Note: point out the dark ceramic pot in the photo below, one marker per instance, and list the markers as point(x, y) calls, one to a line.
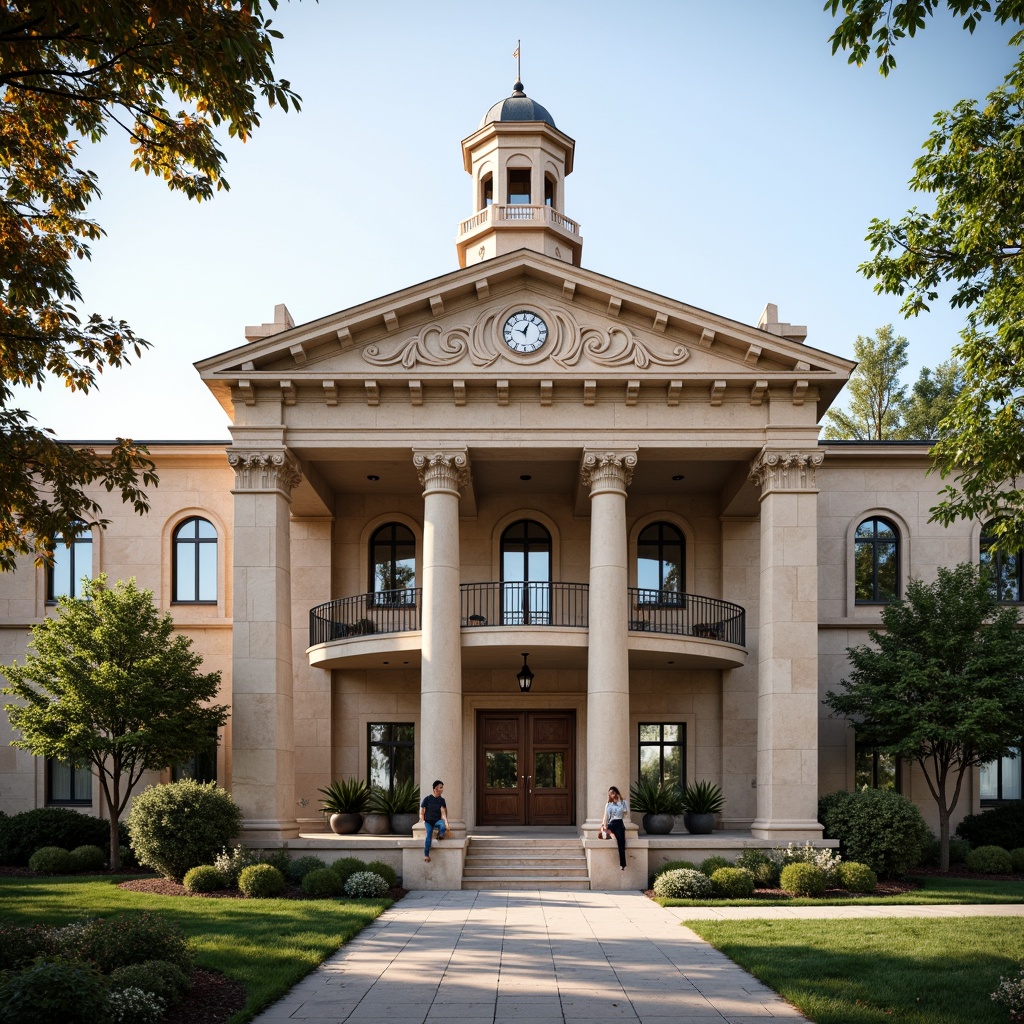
point(401, 824)
point(377, 824)
point(658, 824)
point(699, 824)
point(346, 824)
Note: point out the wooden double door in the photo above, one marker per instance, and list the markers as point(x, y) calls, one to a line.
point(526, 767)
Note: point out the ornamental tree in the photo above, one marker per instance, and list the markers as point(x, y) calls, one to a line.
point(169, 74)
point(108, 683)
point(942, 685)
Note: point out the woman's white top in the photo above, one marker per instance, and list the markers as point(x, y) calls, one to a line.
point(616, 809)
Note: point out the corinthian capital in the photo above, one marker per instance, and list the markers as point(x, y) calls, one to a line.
point(265, 471)
point(786, 471)
point(603, 470)
point(441, 470)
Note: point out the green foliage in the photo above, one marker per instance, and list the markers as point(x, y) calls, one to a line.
point(181, 825)
point(21, 944)
point(710, 865)
point(231, 862)
point(1001, 826)
point(876, 827)
point(683, 884)
point(386, 871)
point(732, 883)
point(803, 879)
point(672, 865)
point(404, 800)
point(345, 866)
point(763, 869)
point(856, 877)
point(703, 798)
point(204, 878)
point(647, 796)
point(135, 1006)
point(958, 850)
point(942, 684)
point(55, 990)
point(112, 942)
point(325, 883)
point(1017, 860)
point(932, 400)
point(165, 980)
point(261, 881)
point(22, 834)
point(1010, 993)
point(88, 858)
point(108, 683)
point(347, 796)
point(990, 860)
point(301, 866)
point(366, 885)
point(52, 860)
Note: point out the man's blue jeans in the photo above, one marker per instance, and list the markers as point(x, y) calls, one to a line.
point(431, 825)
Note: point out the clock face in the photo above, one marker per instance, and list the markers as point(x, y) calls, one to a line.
point(524, 331)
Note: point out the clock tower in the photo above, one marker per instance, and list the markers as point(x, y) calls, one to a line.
point(518, 161)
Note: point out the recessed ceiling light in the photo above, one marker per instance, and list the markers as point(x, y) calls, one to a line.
point(679, 476)
point(385, 662)
point(373, 477)
point(526, 476)
point(670, 663)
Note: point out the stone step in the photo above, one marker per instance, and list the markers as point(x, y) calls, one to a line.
point(517, 862)
point(472, 868)
point(525, 858)
point(526, 883)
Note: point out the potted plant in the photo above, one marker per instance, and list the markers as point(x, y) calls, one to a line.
point(701, 802)
point(402, 806)
point(344, 801)
point(377, 820)
point(658, 802)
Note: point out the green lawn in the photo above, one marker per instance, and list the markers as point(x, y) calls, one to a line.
point(891, 970)
point(267, 945)
point(933, 890)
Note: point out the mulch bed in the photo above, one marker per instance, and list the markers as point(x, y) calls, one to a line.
point(886, 888)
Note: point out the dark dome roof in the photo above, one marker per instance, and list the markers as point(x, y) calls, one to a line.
point(518, 107)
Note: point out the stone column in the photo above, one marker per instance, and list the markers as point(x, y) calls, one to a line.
point(787, 642)
point(441, 474)
point(261, 700)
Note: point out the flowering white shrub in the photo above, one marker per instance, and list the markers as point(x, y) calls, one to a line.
point(366, 884)
point(135, 1006)
point(820, 857)
point(231, 863)
point(1010, 993)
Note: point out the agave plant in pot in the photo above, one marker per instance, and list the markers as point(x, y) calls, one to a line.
point(401, 806)
point(701, 802)
point(658, 801)
point(345, 801)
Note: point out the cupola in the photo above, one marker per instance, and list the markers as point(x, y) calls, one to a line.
point(518, 161)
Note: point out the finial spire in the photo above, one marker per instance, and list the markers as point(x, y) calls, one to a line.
point(519, 63)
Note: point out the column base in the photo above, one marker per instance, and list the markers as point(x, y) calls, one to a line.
point(256, 830)
point(790, 831)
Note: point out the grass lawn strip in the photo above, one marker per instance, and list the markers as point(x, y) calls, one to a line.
point(267, 945)
point(892, 970)
point(933, 890)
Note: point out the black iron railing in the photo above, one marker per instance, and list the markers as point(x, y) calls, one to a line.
point(524, 604)
point(387, 611)
point(664, 611)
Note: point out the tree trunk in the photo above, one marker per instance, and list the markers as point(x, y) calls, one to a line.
point(115, 843)
point(943, 839)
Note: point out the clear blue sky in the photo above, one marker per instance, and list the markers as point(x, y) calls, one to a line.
point(724, 157)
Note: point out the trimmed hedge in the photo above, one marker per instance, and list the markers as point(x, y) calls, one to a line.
point(22, 834)
point(301, 866)
point(386, 871)
point(347, 866)
point(683, 884)
point(261, 881)
point(68, 991)
point(205, 878)
point(366, 885)
point(733, 883)
point(763, 869)
point(112, 942)
point(1001, 826)
point(854, 877)
point(323, 884)
point(803, 879)
point(711, 864)
point(672, 865)
point(991, 860)
point(88, 858)
point(52, 860)
point(1017, 860)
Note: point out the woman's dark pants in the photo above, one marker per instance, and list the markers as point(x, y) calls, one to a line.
point(618, 829)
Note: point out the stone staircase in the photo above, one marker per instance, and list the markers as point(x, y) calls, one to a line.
point(521, 862)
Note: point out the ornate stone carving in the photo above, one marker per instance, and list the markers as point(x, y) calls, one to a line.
point(786, 471)
point(441, 470)
point(264, 471)
point(617, 346)
point(604, 470)
point(431, 347)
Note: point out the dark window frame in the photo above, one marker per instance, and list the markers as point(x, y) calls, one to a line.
point(520, 175)
point(195, 544)
point(996, 562)
point(995, 801)
point(389, 744)
point(201, 766)
point(76, 777)
point(72, 552)
point(400, 596)
point(661, 543)
point(661, 743)
point(874, 542)
point(864, 750)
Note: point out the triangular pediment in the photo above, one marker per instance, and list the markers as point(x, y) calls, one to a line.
point(448, 332)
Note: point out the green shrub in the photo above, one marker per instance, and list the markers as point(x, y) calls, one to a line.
point(301, 866)
point(158, 977)
point(231, 863)
point(366, 885)
point(261, 881)
point(386, 871)
point(205, 878)
point(112, 942)
point(877, 827)
point(958, 850)
point(992, 860)
point(135, 1006)
point(733, 883)
point(22, 834)
point(51, 860)
point(711, 864)
point(803, 880)
point(68, 991)
point(1017, 860)
point(181, 825)
point(762, 868)
point(275, 858)
point(854, 877)
point(683, 884)
point(1001, 826)
point(323, 884)
point(20, 944)
point(347, 866)
point(88, 858)
point(672, 865)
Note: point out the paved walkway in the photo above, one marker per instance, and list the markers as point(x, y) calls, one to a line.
point(551, 958)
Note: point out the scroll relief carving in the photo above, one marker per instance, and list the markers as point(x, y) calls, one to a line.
point(264, 471)
point(567, 345)
point(442, 469)
point(786, 471)
point(614, 467)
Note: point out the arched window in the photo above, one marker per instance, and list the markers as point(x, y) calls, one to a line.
point(526, 574)
point(1006, 567)
point(660, 562)
point(876, 559)
point(71, 561)
point(549, 190)
point(486, 191)
point(194, 564)
point(392, 564)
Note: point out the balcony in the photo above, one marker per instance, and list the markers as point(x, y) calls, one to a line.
point(663, 611)
point(540, 216)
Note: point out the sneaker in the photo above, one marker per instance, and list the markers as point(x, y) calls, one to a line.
point(441, 835)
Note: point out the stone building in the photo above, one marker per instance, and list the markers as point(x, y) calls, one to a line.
point(521, 463)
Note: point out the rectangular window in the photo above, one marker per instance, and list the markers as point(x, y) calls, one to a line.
point(519, 186)
point(662, 748)
point(875, 769)
point(391, 754)
point(201, 766)
point(1001, 780)
point(66, 784)
point(70, 563)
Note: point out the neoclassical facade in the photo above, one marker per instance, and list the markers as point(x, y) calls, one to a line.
point(523, 462)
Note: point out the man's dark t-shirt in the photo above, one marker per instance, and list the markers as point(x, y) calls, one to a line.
point(432, 807)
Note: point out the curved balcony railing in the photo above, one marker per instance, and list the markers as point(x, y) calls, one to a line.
point(502, 213)
point(665, 611)
point(524, 604)
point(386, 611)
